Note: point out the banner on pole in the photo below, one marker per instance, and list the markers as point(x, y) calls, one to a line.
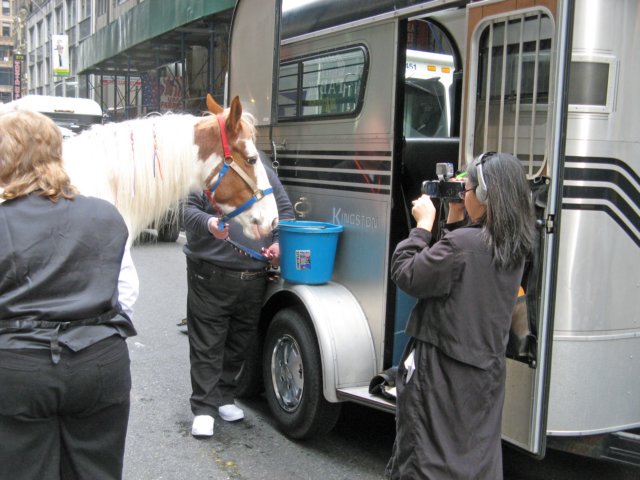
point(60, 55)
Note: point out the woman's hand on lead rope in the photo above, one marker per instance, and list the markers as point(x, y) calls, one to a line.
point(214, 228)
point(424, 211)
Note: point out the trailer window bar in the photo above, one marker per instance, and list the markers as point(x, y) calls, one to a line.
point(325, 85)
point(514, 76)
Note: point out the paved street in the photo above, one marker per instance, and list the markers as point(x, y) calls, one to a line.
point(160, 445)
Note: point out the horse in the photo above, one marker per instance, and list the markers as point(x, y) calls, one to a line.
point(145, 166)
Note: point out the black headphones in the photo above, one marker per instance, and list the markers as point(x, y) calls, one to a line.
point(481, 190)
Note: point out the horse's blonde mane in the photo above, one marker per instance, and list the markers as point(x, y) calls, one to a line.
point(143, 166)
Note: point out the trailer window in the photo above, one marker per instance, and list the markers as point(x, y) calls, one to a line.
point(593, 91)
point(592, 81)
point(426, 109)
point(429, 93)
point(326, 85)
point(512, 87)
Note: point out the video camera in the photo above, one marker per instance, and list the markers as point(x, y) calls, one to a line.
point(443, 188)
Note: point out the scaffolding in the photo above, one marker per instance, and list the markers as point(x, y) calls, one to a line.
point(159, 56)
point(133, 57)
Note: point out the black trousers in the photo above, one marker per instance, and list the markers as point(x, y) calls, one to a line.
point(64, 421)
point(223, 310)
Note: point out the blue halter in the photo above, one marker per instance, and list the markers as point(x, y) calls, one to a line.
point(256, 197)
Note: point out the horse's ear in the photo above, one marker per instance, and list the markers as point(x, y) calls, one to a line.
point(235, 114)
point(213, 106)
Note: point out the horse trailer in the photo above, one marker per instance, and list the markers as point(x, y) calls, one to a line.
point(358, 101)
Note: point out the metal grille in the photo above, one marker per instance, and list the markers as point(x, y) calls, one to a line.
point(512, 111)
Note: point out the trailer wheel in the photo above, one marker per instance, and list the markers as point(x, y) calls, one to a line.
point(293, 378)
point(170, 225)
point(168, 232)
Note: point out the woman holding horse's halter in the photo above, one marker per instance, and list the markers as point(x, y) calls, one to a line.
point(226, 286)
point(64, 362)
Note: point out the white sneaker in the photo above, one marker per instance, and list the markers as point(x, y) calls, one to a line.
point(230, 413)
point(202, 426)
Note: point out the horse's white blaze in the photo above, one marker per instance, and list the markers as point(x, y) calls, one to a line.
point(250, 149)
point(266, 217)
point(263, 218)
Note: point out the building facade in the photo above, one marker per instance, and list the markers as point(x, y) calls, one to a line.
point(131, 56)
point(7, 47)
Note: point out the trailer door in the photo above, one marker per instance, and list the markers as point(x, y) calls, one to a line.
point(251, 72)
point(515, 74)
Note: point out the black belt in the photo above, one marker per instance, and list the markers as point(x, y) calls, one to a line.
point(230, 272)
point(57, 327)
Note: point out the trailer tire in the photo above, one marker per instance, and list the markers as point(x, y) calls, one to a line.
point(292, 373)
point(168, 232)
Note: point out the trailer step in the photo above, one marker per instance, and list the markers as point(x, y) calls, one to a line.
point(362, 396)
point(623, 447)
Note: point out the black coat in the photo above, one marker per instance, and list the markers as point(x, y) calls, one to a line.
point(449, 411)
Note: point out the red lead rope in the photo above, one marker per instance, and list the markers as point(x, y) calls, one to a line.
point(226, 149)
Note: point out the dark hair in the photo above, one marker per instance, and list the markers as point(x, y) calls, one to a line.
point(508, 226)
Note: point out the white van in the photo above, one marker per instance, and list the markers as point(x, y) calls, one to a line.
point(71, 114)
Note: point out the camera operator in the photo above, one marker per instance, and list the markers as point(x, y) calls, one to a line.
point(451, 379)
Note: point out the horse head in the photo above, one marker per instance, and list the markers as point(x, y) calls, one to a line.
point(238, 185)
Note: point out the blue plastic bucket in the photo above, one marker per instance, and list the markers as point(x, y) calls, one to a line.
point(308, 250)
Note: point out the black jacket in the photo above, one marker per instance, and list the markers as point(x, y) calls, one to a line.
point(464, 302)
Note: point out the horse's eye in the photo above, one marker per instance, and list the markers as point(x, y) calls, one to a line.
point(252, 160)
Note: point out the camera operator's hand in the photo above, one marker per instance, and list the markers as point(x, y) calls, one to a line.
point(456, 212)
point(424, 212)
